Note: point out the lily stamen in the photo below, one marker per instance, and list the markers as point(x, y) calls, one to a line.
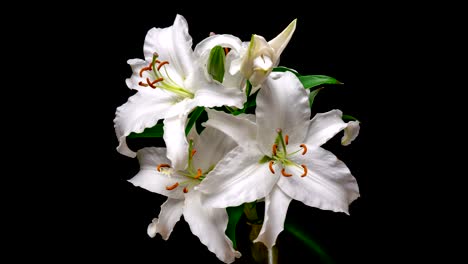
point(148, 68)
point(286, 139)
point(304, 147)
point(193, 153)
point(163, 165)
point(199, 174)
point(305, 170)
point(155, 81)
point(162, 64)
point(274, 148)
point(143, 84)
point(185, 190)
point(271, 167)
point(172, 187)
point(285, 174)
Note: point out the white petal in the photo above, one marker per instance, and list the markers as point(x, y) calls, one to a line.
point(142, 110)
point(328, 185)
point(150, 179)
point(239, 128)
point(350, 133)
point(176, 142)
point(323, 127)
point(233, 80)
point(209, 225)
point(212, 94)
point(170, 213)
point(281, 41)
point(263, 63)
point(238, 178)
point(136, 65)
point(173, 44)
point(282, 103)
point(211, 147)
point(203, 49)
point(276, 207)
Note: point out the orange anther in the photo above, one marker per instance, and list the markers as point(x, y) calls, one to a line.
point(286, 139)
point(163, 165)
point(172, 187)
point(199, 174)
point(271, 167)
point(185, 190)
point(274, 148)
point(305, 170)
point(304, 147)
point(285, 174)
point(162, 64)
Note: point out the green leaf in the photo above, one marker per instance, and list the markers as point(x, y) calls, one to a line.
point(251, 102)
point(216, 63)
point(348, 118)
point(235, 214)
point(193, 118)
point(283, 69)
point(150, 132)
point(312, 95)
point(309, 242)
point(310, 81)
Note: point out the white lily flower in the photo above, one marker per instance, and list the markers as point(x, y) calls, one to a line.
point(252, 60)
point(158, 175)
point(170, 84)
point(279, 157)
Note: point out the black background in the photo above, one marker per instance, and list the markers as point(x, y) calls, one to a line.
point(106, 218)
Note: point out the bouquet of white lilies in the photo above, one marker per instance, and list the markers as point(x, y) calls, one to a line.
point(237, 129)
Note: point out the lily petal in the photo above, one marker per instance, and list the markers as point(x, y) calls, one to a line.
point(328, 184)
point(238, 178)
point(142, 110)
point(276, 207)
point(136, 65)
point(350, 133)
point(212, 94)
point(173, 44)
point(176, 142)
point(281, 41)
point(211, 146)
point(233, 80)
point(324, 126)
point(240, 129)
point(282, 103)
point(150, 179)
point(209, 225)
point(170, 213)
point(203, 49)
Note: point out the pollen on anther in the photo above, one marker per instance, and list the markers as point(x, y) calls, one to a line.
point(148, 68)
point(305, 170)
point(151, 84)
point(185, 190)
point(271, 167)
point(143, 84)
point(162, 64)
point(286, 139)
point(163, 165)
point(199, 174)
point(285, 174)
point(274, 148)
point(304, 147)
point(172, 187)
point(193, 153)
